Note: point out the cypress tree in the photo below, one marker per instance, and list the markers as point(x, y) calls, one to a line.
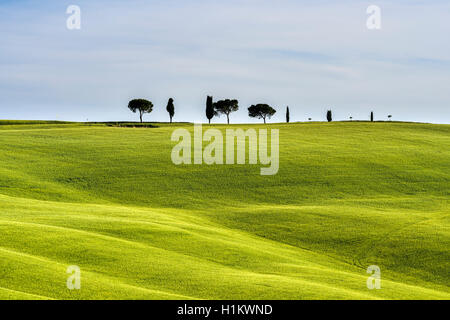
point(287, 115)
point(329, 116)
point(210, 112)
point(170, 109)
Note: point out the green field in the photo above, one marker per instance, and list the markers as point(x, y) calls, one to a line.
point(109, 200)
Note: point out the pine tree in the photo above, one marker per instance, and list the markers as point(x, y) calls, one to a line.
point(140, 105)
point(261, 111)
point(226, 107)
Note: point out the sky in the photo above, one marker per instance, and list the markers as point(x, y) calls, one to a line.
point(309, 55)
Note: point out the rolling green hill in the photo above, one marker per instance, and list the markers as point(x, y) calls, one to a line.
point(109, 200)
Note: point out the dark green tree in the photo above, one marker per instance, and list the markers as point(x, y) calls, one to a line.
point(140, 105)
point(371, 116)
point(288, 118)
point(226, 107)
point(261, 111)
point(170, 109)
point(329, 116)
point(210, 112)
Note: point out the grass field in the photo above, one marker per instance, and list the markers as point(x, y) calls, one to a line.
point(109, 200)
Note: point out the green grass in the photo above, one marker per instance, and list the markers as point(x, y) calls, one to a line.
point(109, 200)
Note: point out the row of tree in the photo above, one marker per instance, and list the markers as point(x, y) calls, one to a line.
point(221, 107)
point(226, 107)
point(213, 109)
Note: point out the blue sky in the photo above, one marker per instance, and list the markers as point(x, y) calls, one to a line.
point(308, 55)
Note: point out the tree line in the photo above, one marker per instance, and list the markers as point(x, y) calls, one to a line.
point(222, 107)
